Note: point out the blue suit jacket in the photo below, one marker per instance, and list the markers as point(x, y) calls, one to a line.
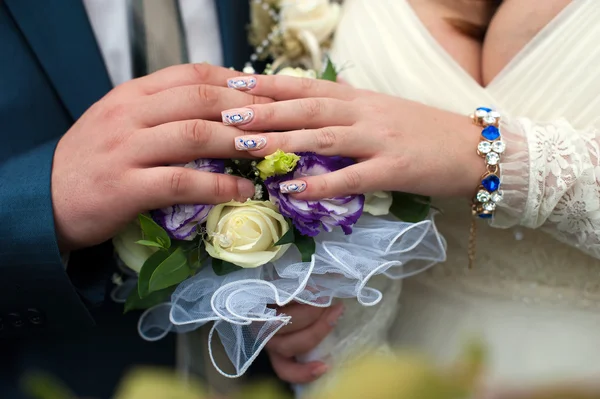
point(51, 71)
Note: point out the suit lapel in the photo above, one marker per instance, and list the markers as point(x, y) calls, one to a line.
point(234, 16)
point(62, 39)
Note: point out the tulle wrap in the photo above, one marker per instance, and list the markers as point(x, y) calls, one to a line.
point(241, 303)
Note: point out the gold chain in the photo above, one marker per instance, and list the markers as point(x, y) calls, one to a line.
point(472, 242)
point(476, 208)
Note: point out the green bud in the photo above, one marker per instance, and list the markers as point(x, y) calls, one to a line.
point(278, 163)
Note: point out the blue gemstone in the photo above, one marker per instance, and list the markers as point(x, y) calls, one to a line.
point(490, 133)
point(491, 183)
point(484, 109)
point(485, 215)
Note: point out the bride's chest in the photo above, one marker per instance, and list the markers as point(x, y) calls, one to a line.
point(457, 25)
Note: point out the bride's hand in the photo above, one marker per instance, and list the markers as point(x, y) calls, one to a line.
point(400, 145)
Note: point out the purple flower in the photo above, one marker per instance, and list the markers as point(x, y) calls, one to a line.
point(310, 216)
point(181, 221)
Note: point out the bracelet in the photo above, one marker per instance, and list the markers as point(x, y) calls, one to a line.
point(488, 194)
point(490, 147)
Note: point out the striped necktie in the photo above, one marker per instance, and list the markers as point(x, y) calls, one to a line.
point(158, 39)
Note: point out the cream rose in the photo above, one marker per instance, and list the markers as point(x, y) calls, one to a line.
point(132, 254)
point(378, 203)
point(298, 72)
point(318, 17)
point(245, 233)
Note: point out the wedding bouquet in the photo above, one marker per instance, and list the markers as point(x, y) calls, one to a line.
point(232, 263)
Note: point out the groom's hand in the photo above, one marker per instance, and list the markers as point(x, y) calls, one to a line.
point(113, 163)
point(310, 325)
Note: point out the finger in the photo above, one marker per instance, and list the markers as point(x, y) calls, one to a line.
point(305, 113)
point(359, 178)
point(303, 341)
point(302, 316)
point(336, 140)
point(168, 185)
point(191, 102)
point(288, 88)
point(289, 370)
point(184, 75)
point(181, 142)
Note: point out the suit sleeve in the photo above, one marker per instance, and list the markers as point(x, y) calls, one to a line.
point(35, 291)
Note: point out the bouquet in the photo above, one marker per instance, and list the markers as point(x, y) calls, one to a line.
point(232, 263)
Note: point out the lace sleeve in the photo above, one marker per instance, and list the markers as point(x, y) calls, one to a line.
point(551, 180)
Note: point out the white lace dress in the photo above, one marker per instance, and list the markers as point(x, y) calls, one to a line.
point(534, 294)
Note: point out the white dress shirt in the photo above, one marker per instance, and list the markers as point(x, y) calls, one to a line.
point(110, 24)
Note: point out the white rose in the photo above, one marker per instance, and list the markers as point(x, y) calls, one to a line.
point(133, 255)
point(245, 233)
point(298, 72)
point(378, 203)
point(319, 17)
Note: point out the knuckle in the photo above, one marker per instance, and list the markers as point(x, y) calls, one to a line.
point(206, 95)
point(308, 83)
point(200, 72)
point(388, 133)
point(178, 182)
point(112, 111)
point(197, 132)
point(267, 114)
point(352, 180)
point(220, 188)
point(312, 107)
point(115, 141)
point(326, 138)
point(280, 346)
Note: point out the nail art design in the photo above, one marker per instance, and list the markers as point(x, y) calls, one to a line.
point(242, 83)
point(250, 143)
point(292, 187)
point(238, 116)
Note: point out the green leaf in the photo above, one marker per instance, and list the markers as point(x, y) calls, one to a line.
point(153, 232)
point(171, 271)
point(306, 245)
point(221, 267)
point(329, 73)
point(168, 263)
point(134, 301)
point(150, 244)
point(288, 238)
point(410, 208)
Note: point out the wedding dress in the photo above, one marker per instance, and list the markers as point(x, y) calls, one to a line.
point(534, 293)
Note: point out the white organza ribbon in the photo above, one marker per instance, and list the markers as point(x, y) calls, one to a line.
point(340, 268)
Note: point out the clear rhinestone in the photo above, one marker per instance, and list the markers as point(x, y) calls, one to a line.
point(495, 114)
point(484, 147)
point(492, 158)
point(489, 206)
point(480, 113)
point(497, 197)
point(483, 196)
point(490, 120)
point(499, 147)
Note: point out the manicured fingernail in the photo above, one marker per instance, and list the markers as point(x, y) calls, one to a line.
point(242, 83)
point(320, 370)
point(292, 186)
point(245, 188)
point(250, 143)
point(237, 116)
point(335, 315)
